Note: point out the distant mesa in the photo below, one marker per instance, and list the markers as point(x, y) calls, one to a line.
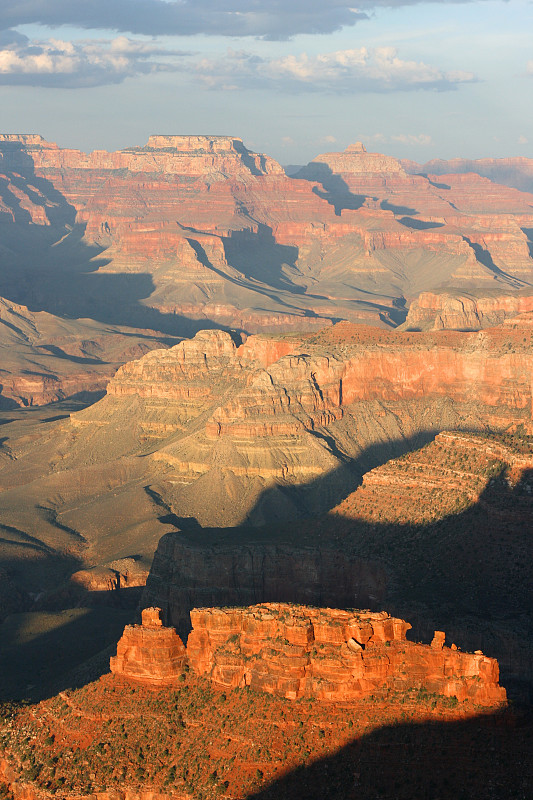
point(189, 144)
point(356, 147)
point(22, 138)
point(297, 651)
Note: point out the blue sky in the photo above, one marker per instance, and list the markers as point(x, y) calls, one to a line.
point(293, 78)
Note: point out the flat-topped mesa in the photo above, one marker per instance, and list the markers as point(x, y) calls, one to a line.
point(149, 653)
point(354, 160)
point(204, 154)
point(191, 144)
point(200, 156)
point(297, 651)
point(23, 138)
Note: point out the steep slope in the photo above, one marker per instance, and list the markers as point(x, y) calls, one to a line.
point(45, 358)
point(112, 738)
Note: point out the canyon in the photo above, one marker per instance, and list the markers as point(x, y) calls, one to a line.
point(221, 431)
point(339, 468)
point(189, 232)
point(242, 408)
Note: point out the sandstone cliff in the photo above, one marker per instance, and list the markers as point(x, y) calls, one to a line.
point(149, 652)
point(297, 651)
point(432, 311)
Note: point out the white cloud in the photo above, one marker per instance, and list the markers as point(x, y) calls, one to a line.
point(59, 63)
point(327, 139)
point(522, 139)
point(343, 71)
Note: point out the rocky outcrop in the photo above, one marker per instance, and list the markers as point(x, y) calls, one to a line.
point(298, 651)
point(92, 585)
point(331, 655)
point(149, 653)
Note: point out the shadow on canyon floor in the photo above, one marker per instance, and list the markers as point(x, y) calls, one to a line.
point(335, 189)
point(260, 257)
point(44, 652)
point(489, 757)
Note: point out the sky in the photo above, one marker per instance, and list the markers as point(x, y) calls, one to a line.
point(292, 78)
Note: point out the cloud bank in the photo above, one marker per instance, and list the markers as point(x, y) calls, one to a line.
point(72, 65)
point(271, 19)
point(341, 72)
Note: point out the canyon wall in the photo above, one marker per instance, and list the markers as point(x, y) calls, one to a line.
point(432, 311)
point(219, 568)
point(201, 229)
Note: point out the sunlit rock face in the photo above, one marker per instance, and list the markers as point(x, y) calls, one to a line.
point(149, 653)
point(297, 651)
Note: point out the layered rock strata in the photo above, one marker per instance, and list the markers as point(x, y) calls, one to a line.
point(149, 653)
point(297, 651)
point(222, 234)
point(433, 311)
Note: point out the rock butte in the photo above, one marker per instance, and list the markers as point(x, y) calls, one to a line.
point(149, 653)
point(297, 651)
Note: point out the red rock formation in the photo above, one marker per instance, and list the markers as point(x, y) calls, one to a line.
point(331, 655)
point(227, 236)
point(432, 311)
point(297, 651)
point(149, 653)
